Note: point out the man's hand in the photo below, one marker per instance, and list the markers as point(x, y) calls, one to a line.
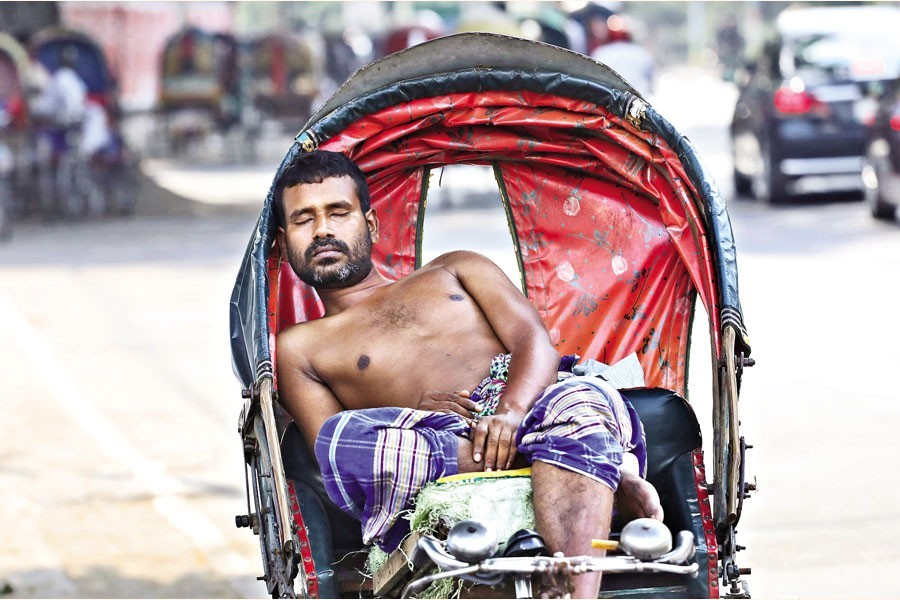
point(450, 402)
point(495, 440)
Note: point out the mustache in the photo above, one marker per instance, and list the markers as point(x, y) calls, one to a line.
point(331, 243)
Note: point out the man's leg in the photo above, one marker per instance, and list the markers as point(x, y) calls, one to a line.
point(576, 435)
point(570, 510)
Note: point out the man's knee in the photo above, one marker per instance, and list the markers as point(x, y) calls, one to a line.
point(576, 410)
point(576, 426)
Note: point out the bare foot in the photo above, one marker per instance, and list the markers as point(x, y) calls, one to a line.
point(637, 498)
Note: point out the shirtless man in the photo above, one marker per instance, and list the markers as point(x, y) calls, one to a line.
point(353, 379)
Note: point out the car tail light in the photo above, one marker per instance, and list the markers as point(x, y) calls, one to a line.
point(895, 122)
point(791, 102)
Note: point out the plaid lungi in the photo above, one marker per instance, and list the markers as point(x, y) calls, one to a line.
point(374, 461)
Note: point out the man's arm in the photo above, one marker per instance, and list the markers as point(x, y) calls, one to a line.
point(534, 362)
point(309, 401)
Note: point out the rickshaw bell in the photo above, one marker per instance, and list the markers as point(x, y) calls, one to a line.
point(395, 375)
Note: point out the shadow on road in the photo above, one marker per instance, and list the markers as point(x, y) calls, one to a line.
point(109, 582)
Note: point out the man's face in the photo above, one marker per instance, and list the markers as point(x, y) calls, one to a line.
point(327, 237)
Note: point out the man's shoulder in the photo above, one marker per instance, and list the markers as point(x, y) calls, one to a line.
point(303, 328)
point(458, 257)
point(465, 264)
point(296, 345)
point(299, 334)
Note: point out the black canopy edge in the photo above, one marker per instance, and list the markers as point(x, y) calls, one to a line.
point(464, 51)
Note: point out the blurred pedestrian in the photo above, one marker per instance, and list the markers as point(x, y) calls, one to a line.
point(487, 16)
point(64, 105)
point(64, 98)
point(729, 46)
point(426, 25)
point(592, 20)
point(629, 59)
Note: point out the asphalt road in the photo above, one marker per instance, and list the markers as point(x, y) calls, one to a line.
point(120, 462)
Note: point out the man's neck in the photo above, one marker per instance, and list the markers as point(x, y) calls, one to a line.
point(338, 300)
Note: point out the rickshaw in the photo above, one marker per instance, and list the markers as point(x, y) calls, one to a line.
point(199, 85)
point(13, 129)
point(286, 72)
point(102, 182)
point(618, 231)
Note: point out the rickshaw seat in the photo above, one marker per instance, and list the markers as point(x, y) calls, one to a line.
point(673, 435)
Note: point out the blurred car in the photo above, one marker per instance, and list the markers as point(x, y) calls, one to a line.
point(881, 172)
point(797, 126)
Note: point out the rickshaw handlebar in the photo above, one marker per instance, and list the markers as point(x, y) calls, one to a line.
point(492, 571)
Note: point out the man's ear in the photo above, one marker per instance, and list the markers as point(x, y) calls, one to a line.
point(279, 237)
point(372, 222)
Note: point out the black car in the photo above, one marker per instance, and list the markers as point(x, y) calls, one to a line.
point(881, 172)
point(798, 126)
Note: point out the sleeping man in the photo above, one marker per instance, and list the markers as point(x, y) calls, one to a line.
point(449, 370)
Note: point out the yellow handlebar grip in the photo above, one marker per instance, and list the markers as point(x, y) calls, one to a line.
point(605, 544)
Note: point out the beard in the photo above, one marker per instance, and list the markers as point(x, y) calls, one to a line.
point(332, 273)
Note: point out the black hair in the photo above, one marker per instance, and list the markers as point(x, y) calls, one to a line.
point(315, 167)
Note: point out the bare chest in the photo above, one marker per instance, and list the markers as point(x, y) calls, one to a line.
point(421, 334)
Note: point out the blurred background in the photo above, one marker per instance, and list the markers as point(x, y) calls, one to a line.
point(138, 140)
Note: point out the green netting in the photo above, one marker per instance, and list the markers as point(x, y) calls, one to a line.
point(504, 502)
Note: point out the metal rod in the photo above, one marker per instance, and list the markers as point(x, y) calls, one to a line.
point(267, 409)
point(734, 435)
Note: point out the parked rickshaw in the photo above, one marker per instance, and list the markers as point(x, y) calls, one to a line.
point(286, 73)
point(76, 180)
point(13, 129)
point(619, 231)
point(199, 85)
